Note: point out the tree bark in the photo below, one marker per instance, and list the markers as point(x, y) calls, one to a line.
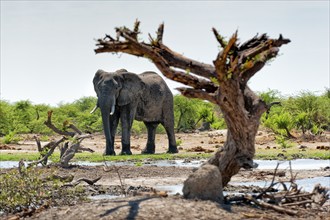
point(223, 83)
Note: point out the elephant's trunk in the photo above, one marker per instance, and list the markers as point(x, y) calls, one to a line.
point(107, 107)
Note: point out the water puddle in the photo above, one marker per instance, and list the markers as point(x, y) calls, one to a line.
point(306, 185)
point(103, 196)
point(10, 164)
point(299, 164)
point(171, 189)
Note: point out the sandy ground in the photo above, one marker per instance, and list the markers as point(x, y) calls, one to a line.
point(208, 141)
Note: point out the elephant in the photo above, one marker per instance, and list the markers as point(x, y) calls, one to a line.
point(126, 96)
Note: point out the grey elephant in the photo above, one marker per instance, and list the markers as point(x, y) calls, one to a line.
point(127, 96)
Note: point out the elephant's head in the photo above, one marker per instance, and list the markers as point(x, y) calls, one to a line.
point(120, 87)
point(115, 89)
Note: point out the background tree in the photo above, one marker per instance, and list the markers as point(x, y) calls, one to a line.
point(223, 83)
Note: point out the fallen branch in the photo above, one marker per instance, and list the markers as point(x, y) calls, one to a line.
point(271, 206)
point(86, 149)
point(50, 152)
point(298, 203)
point(271, 184)
point(292, 197)
point(88, 181)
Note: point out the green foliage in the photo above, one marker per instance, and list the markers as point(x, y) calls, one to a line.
point(270, 96)
point(190, 113)
point(27, 188)
point(178, 142)
point(138, 127)
point(214, 80)
point(219, 124)
point(291, 153)
point(305, 112)
point(20, 190)
point(10, 138)
point(24, 117)
point(138, 164)
point(6, 118)
point(283, 142)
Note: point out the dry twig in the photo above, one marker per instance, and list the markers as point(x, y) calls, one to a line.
point(106, 168)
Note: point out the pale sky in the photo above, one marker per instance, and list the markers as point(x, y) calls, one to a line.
point(47, 47)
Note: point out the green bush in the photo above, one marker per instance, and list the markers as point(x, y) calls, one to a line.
point(10, 138)
point(304, 112)
point(26, 188)
point(190, 113)
point(6, 117)
point(283, 142)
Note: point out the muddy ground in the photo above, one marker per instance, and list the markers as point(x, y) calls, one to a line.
point(207, 141)
point(139, 182)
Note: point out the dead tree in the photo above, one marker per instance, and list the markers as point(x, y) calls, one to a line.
point(71, 146)
point(223, 83)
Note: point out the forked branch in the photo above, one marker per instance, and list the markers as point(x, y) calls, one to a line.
point(236, 62)
point(70, 147)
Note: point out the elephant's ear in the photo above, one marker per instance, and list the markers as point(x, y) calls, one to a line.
point(132, 88)
point(98, 76)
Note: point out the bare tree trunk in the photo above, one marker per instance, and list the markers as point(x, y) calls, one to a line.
point(223, 83)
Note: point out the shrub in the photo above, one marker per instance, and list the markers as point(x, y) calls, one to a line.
point(26, 188)
point(304, 112)
point(190, 113)
point(10, 138)
point(283, 142)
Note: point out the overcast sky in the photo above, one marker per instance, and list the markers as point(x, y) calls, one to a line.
point(47, 47)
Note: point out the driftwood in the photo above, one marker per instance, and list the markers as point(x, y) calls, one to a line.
point(287, 201)
point(71, 146)
point(88, 181)
point(271, 206)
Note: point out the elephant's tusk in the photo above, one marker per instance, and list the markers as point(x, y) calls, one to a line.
point(112, 109)
point(94, 109)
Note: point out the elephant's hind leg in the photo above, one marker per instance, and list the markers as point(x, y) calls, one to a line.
point(169, 127)
point(150, 147)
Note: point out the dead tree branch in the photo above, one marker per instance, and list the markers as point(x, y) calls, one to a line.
point(271, 206)
point(50, 125)
point(51, 146)
point(70, 147)
point(88, 181)
point(289, 197)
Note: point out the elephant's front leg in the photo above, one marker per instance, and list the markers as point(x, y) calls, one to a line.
point(126, 119)
point(114, 120)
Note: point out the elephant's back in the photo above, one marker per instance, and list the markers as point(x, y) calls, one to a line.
point(155, 96)
point(150, 77)
point(155, 86)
